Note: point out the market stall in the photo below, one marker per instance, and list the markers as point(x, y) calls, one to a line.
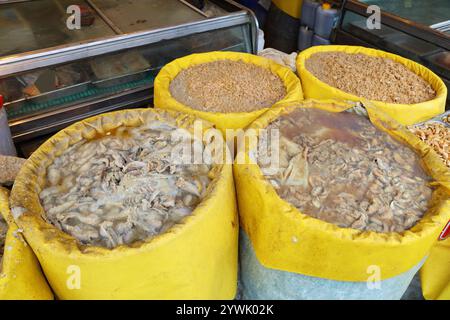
point(159, 157)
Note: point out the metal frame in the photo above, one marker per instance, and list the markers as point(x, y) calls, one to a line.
point(40, 124)
point(115, 28)
point(254, 24)
point(442, 26)
point(13, 1)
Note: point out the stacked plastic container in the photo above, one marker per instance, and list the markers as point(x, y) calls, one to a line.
point(317, 23)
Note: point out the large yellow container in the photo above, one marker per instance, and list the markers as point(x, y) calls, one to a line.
point(435, 274)
point(322, 249)
point(405, 114)
point(238, 120)
point(196, 259)
point(21, 276)
point(291, 7)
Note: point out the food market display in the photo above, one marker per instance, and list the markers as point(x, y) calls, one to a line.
point(122, 187)
point(108, 193)
point(374, 78)
point(339, 168)
point(227, 86)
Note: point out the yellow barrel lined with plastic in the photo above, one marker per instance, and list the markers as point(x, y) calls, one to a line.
point(435, 274)
point(324, 258)
point(21, 277)
point(405, 114)
point(195, 259)
point(236, 120)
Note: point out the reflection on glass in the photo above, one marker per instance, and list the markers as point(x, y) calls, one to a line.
point(33, 25)
point(54, 87)
point(426, 12)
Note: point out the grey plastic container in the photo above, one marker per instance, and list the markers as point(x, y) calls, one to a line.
point(325, 21)
point(7, 147)
point(305, 36)
point(308, 17)
point(262, 283)
point(319, 41)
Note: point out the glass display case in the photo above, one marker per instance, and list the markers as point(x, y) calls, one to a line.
point(413, 29)
point(432, 13)
point(24, 28)
point(52, 77)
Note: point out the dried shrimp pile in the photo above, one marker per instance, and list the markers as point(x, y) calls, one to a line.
point(436, 135)
point(227, 86)
point(370, 77)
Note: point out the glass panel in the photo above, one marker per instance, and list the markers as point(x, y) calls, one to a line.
point(388, 38)
point(34, 25)
point(426, 12)
point(60, 86)
point(395, 41)
point(212, 9)
point(356, 24)
point(129, 16)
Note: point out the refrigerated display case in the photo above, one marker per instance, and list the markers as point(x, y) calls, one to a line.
point(51, 76)
point(418, 30)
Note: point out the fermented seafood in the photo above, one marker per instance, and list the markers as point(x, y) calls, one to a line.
point(227, 86)
point(339, 168)
point(122, 187)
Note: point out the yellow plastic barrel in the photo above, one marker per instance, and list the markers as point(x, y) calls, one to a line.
point(435, 274)
point(237, 120)
point(195, 259)
point(322, 249)
point(21, 277)
point(405, 114)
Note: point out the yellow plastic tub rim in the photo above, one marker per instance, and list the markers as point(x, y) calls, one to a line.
point(435, 274)
point(286, 239)
point(405, 114)
point(195, 259)
point(234, 120)
point(20, 277)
